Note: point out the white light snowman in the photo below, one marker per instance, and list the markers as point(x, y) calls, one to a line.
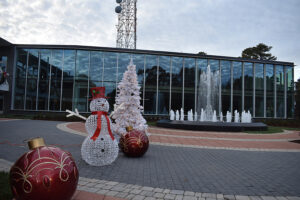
point(99, 147)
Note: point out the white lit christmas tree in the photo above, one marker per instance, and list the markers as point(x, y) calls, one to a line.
point(128, 99)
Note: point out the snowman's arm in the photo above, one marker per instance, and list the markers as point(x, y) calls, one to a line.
point(76, 113)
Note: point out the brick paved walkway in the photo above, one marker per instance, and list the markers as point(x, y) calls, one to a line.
point(243, 141)
point(169, 172)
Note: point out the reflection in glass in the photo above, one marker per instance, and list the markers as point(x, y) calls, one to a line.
point(81, 81)
point(270, 90)
point(123, 62)
point(237, 86)
point(150, 84)
point(110, 75)
point(96, 69)
point(68, 77)
point(43, 91)
point(259, 90)
point(177, 75)
point(290, 91)
point(201, 66)
point(56, 73)
point(189, 84)
point(279, 91)
point(226, 85)
point(20, 78)
point(163, 84)
point(32, 76)
point(248, 87)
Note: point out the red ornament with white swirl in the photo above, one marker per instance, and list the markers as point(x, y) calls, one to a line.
point(45, 172)
point(134, 143)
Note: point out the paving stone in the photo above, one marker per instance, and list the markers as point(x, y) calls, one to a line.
point(189, 193)
point(112, 193)
point(158, 190)
point(240, 197)
point(230, 197)
point(179, 197)
point(177, 192)
point(220, 196)
point(112, 183)
point(107, 187)
point(127, 190)
point(281, 198)
point(209, 195)
point(209, 198)
point(102, 191)
point(269, 198)
point(130, 196)
point(136, 187)
point(189, 198)
point(147, 193)
point(159, 195)
point(117, 188)
point(135, 191)
point(92, 190)
point(255, 198)
point(99, 185)
point(121, 195)
point(150, 198)
point(166, 191)
point(170, 196)
point(293, 198)
point(91, 184)
point(198, 194)
point(138, 197)
point(147, 188)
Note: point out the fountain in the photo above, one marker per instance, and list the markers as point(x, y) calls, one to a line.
point(172, 115)
point(207, 105)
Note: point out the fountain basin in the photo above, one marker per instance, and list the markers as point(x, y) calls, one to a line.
point(212, 126)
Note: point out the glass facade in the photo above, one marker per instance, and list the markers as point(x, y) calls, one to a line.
point(60, 79)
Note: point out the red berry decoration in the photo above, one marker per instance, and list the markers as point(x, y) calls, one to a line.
point(44, 173)
point(134, 143)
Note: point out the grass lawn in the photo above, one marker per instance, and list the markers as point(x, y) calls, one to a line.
point(5, 192)
point(272, 129)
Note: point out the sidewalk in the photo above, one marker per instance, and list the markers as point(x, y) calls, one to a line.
point(217, 140)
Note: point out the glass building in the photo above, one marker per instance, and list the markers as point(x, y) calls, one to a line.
point(54, 78)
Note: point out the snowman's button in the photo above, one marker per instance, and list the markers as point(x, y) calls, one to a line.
point(102, 139)
point(102, 150)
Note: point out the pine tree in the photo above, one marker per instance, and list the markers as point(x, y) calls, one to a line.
point(128, 94)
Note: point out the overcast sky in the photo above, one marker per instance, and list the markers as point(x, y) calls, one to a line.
point(217, 27)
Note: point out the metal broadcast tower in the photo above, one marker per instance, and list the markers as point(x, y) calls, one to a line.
point(126, 36)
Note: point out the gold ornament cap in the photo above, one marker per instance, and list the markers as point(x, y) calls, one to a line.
point(129, 128)
point(35, 143)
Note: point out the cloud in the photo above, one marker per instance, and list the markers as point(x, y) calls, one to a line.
point(214, 26)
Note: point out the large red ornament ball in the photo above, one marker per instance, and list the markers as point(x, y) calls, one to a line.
point(134, 143)
point(45, 172)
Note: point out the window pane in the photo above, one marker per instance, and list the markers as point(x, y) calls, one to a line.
point(138, 61)
point(68, 78)
point(81, 81)
point(177, 75)
point(201, 66)
point(20, 78)
point(44, 79)
point(226, 85)
point(280, 91)
point(96, 69)
point(150, 84)
point(56, 73)
point(163, 84)
point(259, 90)
point(270, 90)
point(32, 76)
point(215, 70)
point(189, 84)
point(290, 92)
point(110, 75)
point(248, 87)
point(237, 86)
point(124, 60)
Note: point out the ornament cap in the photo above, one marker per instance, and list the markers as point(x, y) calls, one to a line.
point(129, 128)
point(35, 143)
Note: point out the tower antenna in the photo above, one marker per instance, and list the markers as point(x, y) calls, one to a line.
point(126, 28)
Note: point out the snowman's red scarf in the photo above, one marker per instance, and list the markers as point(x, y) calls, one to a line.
point(98, 129)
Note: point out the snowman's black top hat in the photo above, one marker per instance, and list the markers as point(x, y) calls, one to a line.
point(98, 92)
